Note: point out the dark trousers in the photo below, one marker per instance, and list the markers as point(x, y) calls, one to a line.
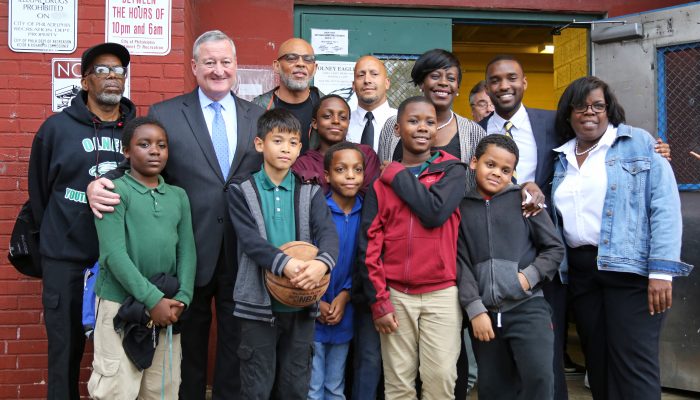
point(555, 294)
point(620, 339)
point(462, 383)
point(276, 358)
point(517, 364)
point(195, 326)
point(367, 357)
point(62, 298)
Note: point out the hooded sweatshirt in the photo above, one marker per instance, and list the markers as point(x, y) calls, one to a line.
point(70, 150)
point(496, 243)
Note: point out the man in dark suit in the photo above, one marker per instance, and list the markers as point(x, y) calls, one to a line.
point(210, 134)
point(534, 132)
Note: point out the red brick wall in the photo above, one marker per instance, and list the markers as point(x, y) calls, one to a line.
point(25, 102)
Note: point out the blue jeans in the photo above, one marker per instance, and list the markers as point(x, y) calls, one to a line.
point(367, 356)
point(328, 371)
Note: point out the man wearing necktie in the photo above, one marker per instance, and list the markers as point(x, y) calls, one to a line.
point(370, 84)
point(210, 133)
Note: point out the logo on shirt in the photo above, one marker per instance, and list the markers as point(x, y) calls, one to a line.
point(102, 168)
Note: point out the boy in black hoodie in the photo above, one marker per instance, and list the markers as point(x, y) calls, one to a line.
point(71, 149)
point(501, 274)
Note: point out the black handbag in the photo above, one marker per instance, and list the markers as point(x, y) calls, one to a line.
point(24, 243)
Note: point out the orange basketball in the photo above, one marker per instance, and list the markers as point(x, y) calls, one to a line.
point(282, 289)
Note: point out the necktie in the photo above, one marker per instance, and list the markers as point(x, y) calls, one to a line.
point(368, 132)
point(220, 140)
point(508, 126)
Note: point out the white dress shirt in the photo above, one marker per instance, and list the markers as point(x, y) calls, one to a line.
point(524, 138)
point(358, 121)
point(228, 112)
point(580, 197)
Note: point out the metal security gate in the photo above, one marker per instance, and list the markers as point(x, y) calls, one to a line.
point(678, 80)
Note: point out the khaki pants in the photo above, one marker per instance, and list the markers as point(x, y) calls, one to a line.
point(428, 335)
point(115, 377)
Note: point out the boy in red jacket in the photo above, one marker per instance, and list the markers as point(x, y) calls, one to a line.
point(407, 259)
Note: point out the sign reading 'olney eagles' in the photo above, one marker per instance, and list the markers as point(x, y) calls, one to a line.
point(66, 82)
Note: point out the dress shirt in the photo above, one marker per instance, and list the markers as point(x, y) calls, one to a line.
point(228, 111)
point(581, 195)
point(524, 138)
point(358, 121)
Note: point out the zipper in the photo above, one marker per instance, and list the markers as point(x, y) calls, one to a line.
point(488, 236)
point(410, 242)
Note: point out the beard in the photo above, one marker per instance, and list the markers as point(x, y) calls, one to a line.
point(368, 99)
point(110, 99)
point(294, 85)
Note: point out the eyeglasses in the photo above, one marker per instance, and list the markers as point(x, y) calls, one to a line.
point(481, 104)
point(293, 57)
point(102, 71)
point(211, 64)
point(596, 108)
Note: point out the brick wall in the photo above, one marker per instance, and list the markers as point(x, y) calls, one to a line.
point(25, 102)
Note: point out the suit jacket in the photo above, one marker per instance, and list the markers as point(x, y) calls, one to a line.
point(193, 166)
point(546, 138)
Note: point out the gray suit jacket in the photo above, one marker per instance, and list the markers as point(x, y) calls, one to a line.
point(192, 165)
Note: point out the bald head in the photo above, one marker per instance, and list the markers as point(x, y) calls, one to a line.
point(370, 83)
point(295, 45)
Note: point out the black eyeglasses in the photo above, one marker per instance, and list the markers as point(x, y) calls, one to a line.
point(293, 57)
point(102, 71)
point(596, 108)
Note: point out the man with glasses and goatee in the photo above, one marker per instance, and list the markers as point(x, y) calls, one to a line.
point(296, 66)
point(70, 150)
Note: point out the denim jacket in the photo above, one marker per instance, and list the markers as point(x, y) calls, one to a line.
point(641, 228)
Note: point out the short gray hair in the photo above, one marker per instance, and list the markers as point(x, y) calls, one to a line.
point(210, 36)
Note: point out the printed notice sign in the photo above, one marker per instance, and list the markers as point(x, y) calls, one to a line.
point(66, 82)
point(330, 41)
point(43, 26)
point(142, 26)
point(335, 77)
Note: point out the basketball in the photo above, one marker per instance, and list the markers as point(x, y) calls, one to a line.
point(284, 291)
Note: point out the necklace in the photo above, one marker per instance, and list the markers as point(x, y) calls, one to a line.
point(448, 121)
point(588, 150)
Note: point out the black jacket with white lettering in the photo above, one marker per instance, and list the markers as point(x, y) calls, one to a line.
point(69, 150)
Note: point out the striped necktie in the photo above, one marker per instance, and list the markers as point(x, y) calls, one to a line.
point(508, 126)
point(219, 139)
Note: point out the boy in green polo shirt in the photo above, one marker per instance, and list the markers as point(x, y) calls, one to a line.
point(146, 251)
point(269, 209)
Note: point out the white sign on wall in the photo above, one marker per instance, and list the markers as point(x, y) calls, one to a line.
point(142, 26)
point(65, 81)
point(335, 77)
point(330, 41)
point(43, 26)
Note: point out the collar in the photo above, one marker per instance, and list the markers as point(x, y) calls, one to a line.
point(227, 103)
point(518, 119)
point(384, 108)
point(140, 187)
point(267, 184)
point(357, 207)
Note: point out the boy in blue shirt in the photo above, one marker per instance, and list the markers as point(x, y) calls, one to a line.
point(504, 259)
point(344, 169)
point(269, 209)
point(146, 251)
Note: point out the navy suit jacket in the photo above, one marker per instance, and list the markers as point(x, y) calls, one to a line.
point(192, 165)
point(546, 138)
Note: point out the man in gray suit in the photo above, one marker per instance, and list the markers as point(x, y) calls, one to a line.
point(210, 134)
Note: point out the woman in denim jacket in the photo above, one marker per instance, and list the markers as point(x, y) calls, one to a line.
point(619, 210)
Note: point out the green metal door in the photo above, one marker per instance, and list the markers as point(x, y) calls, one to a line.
point(396, 39)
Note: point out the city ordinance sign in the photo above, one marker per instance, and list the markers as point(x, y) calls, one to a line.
point(142, 26)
